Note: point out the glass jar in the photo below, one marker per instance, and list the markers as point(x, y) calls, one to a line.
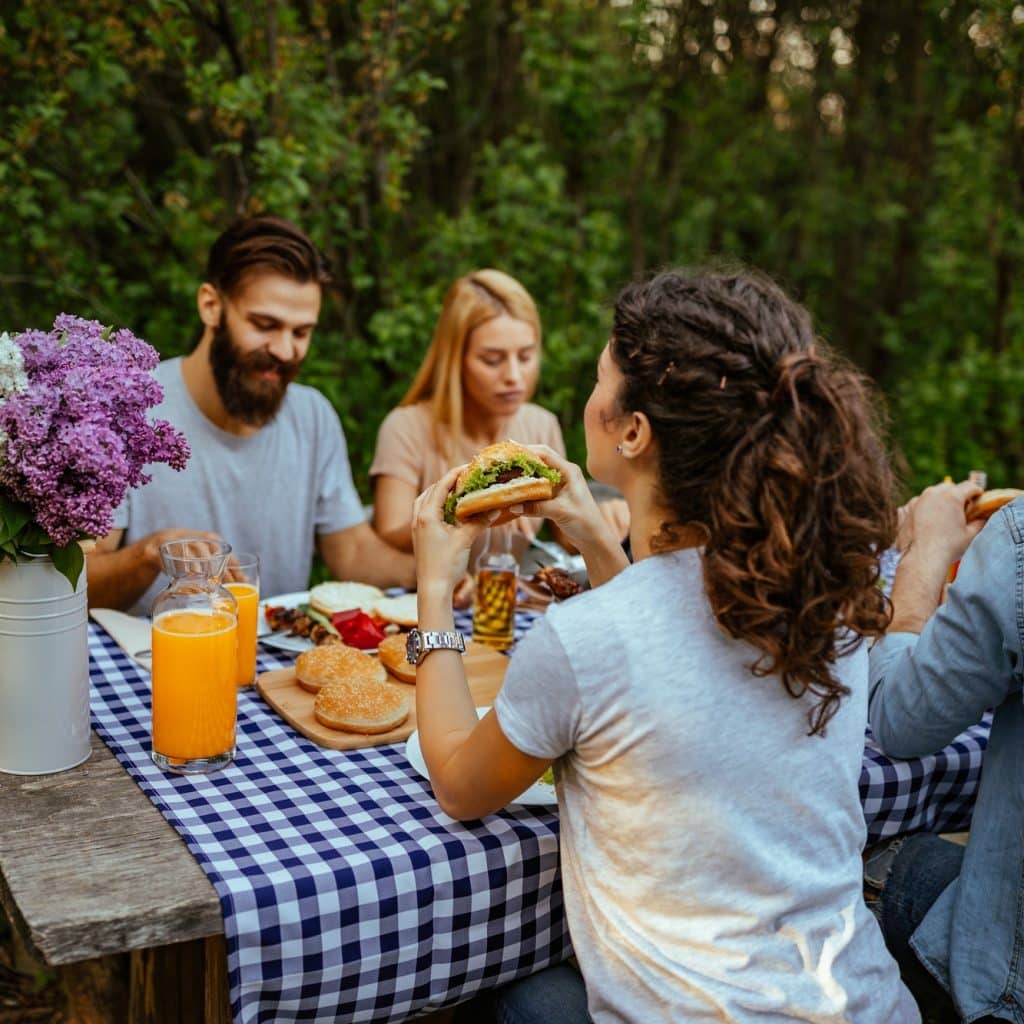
point(195, 645)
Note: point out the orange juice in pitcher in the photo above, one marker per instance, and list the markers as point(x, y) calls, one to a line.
point(194, 691)
point(195, 660)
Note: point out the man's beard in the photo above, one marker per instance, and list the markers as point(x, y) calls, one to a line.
point(253, 400)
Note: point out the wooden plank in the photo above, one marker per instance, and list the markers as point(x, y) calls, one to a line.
point(89, 867)
point(96, 991)
point(218, 991)
point(485, 671)
point(186, 983)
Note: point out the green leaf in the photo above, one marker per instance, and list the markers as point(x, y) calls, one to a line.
point(69, 561)
point(13, 518)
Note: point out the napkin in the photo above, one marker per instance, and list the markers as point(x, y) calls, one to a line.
point(131, 633)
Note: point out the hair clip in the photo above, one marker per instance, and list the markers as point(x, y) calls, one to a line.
point(664, 373)
point(722, 382)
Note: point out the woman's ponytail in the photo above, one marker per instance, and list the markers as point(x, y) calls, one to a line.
point(769, 445)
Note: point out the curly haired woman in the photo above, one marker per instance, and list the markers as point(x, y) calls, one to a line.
point(704, 708)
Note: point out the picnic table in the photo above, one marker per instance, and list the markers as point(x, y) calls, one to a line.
point(405, 912)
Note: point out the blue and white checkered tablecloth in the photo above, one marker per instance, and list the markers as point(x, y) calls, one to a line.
point(923, 794)
point(349, 895)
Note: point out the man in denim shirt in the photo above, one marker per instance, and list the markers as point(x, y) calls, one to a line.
point(932, 676)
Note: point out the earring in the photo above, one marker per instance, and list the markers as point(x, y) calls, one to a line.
point(618, 449)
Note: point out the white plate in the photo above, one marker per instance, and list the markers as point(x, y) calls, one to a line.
point(539, 794)
point(284, 641)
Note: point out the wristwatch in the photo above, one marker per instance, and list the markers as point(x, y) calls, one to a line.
point(419, 643)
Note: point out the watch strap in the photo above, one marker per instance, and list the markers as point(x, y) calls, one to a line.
point(428, 640)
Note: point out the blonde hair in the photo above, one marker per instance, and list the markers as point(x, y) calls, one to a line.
point(471, 301)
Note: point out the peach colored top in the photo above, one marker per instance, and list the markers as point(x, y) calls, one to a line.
point(406, 448)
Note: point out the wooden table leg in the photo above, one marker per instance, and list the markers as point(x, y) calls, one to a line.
point(95, 991)
point(180, 984)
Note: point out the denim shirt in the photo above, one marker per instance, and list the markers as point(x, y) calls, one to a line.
point(927, 689)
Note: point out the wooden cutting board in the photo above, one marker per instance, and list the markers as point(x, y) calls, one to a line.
point(485, 670)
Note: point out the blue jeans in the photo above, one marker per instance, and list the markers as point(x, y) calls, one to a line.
point(925, 865)
point(555, 995)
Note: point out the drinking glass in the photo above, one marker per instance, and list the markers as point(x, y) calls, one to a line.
point(494, 605)
point(195, 660)
point(242, 578)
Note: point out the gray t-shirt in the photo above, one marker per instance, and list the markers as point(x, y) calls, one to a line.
point(271, 492)
point(710, 848)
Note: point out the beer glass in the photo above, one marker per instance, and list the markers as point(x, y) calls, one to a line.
point(494, 606)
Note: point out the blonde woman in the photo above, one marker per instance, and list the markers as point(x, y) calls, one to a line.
point(472, 389)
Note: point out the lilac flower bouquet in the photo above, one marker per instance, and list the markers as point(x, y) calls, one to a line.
point(74, 436)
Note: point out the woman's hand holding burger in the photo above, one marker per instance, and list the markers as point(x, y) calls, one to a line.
point(575, 512)
point(442, 550)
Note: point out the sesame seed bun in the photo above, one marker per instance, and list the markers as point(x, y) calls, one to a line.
point(361, 705)
point(392, 656)
point(315, 668)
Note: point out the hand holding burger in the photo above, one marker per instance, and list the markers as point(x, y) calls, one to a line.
point(936, 529)
point(497, 478)
point(442, 550)
point(989, 502)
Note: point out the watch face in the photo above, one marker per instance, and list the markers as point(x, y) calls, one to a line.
point(412, 647)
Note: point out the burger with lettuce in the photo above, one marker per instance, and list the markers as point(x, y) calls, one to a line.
point(497, 477)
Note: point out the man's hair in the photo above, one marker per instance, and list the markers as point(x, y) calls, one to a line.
point(267, 244)
point(769, 447)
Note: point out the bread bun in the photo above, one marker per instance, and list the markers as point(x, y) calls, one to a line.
point(328, 598)
point(499, 496)
point(361, 705)
point(392, 656)
point(316, 668)
point(401, 610)
point(988, 502)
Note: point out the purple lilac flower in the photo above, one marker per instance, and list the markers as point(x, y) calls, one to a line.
point(77, 436)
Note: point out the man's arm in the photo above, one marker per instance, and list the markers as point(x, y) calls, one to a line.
point(357, 553)
point(927, 689)
point(119, 576)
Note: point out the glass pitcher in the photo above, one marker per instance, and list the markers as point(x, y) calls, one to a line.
point(195, 643)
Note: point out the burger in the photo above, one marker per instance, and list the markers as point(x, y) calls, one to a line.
point(500, 475)
point(989, 502)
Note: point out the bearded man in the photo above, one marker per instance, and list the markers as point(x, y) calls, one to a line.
point(269, 470)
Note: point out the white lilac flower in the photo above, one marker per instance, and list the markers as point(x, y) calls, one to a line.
point(13, 379)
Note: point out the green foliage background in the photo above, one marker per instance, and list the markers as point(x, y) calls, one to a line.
point(869, 154)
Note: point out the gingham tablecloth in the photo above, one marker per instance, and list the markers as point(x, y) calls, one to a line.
point(349, 895)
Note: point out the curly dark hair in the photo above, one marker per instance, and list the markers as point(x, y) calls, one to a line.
point(770, 447)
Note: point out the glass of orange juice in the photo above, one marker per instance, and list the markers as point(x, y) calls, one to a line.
point(195, 660)
point(242, 578)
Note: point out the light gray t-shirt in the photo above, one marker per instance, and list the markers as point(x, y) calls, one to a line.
point(271, 492)
point(710, 848)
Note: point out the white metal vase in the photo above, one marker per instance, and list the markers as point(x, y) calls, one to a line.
point(44, 669)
